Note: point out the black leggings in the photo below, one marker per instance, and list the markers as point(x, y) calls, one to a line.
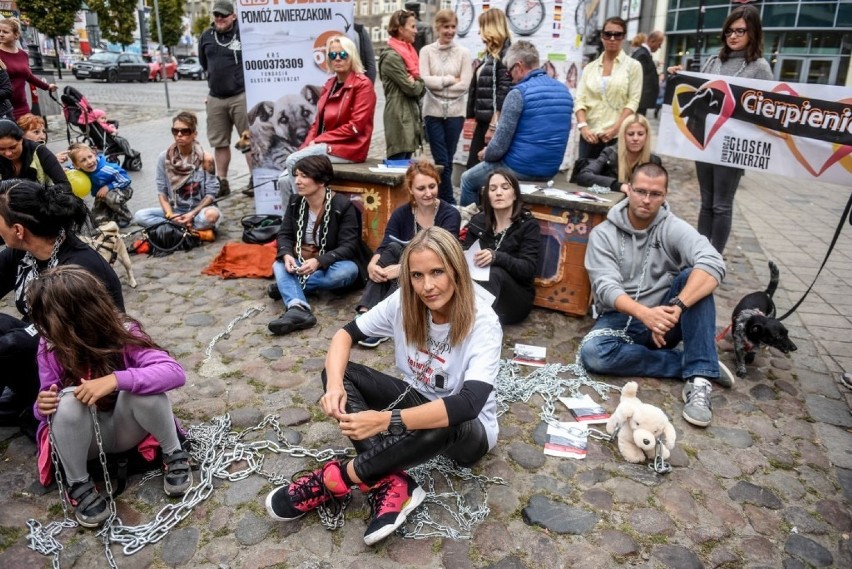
point(513, 301)
point(18, 350)
point(380, 456)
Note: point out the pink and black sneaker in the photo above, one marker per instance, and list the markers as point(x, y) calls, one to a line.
point(391, 500)
point(307, 492)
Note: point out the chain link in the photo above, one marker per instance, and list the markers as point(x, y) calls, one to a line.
point(299, 230)
point(226, 333)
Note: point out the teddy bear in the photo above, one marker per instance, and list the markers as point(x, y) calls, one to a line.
point(638, 426)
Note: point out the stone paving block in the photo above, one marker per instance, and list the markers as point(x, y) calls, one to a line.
point(808, 551)
point(836, 443)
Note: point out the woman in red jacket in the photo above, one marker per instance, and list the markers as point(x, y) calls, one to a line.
point(344, 124)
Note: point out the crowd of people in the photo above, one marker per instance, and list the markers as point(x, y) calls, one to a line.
point(652, 274)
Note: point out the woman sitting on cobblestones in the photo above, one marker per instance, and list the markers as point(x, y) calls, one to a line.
point(319, 245)
point(424, 210)
point(28, 160)
point(38, 225)
point(91, 354)
point(447, 343)
point(186, 183)
point(614, 166)
point(510, 243)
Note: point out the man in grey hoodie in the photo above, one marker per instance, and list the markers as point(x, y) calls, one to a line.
point(653, 276)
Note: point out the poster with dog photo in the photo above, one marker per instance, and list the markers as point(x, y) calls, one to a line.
point(796, 130)
point(285, 67)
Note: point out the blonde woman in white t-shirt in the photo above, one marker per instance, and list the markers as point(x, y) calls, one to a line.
point(447, 347)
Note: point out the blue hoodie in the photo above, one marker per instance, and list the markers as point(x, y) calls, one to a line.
point(108, 174)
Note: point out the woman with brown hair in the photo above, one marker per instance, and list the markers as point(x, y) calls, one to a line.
point(92, 354)
point(609, 91)
point(423, 210)
point(399, 68)
point(741, 55)
point(447, 344)
point(510, 245)
point(491, 83)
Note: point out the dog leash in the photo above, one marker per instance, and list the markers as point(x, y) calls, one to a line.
point(847, 213)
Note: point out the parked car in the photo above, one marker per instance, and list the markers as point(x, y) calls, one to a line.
point(190, 67)
point(156, 73)
point(112, 67)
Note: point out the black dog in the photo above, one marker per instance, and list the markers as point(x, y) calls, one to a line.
point(754, 323)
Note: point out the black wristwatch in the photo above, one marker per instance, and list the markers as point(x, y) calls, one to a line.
point(396, 426)
point(676, 301)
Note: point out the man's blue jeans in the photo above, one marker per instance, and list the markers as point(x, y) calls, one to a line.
point(339, 275)
point(444, 136)
point(473, 180)
point(610, 355)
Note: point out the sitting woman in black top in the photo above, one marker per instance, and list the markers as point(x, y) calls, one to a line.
point(38, 225)
point(422, 211)
point(510, 242)
point(615, 164)
point(28, 160)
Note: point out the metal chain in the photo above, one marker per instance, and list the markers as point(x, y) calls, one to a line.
point(299, 230)
point(226, 333)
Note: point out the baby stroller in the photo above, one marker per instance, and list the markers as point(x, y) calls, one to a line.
point(82, 120)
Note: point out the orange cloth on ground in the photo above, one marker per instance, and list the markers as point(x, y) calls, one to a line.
point(239, 260)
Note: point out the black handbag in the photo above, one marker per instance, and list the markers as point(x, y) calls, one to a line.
point(167, 237)
point(260, 229)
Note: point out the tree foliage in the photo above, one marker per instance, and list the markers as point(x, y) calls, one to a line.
point(52, 17)
point(116, 19)
point(171, 20)
point(201, 22)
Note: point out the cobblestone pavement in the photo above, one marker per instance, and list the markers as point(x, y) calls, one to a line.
point(767, 485)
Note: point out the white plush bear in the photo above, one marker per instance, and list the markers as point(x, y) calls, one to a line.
point(639, 425)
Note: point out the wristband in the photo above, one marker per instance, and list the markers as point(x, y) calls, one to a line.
point(582, 125)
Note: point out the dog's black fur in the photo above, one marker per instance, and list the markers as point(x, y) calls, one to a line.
point(753, 323)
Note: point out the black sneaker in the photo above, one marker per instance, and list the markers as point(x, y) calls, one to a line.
point(296, 318)
point(273, 292)
point(90, 508)
point(308, 491)
point(372, 341)
point(249, 190)
point(177, 475)
point(224, 188)
point(391, 500)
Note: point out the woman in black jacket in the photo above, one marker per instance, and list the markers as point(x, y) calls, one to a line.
point(491, 83)
point(5, 93)
point(614, 166)
point(28, 160)
point(510, 242)
point(319, 245)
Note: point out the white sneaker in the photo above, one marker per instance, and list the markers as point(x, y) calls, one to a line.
point(698, 409)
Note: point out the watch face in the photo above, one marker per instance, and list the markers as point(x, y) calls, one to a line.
point(464, 13)
point(396, 430)
point(525, 16)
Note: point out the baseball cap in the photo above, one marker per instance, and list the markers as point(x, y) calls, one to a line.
point(223, 7)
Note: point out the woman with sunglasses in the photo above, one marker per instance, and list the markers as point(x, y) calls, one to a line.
point(741, 55)
point(491, 83)
point(186, 181)
point(344, 121)
point(399, 68)
point(609, 92)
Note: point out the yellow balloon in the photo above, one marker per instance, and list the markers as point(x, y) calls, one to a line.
point(81, 185)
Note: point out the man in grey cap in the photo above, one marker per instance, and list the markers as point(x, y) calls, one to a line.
point(220, 54)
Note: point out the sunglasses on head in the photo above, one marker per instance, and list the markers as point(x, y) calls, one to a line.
point(613, 35)
point(182, 131)
point(332, 55)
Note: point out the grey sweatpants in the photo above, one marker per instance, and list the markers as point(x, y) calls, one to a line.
point(123, 428)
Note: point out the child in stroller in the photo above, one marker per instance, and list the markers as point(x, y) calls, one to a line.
point(84, 121)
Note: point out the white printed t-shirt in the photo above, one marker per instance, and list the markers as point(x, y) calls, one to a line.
point(476, 358)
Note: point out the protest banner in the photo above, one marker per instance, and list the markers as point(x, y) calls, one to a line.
point(554, 27)
point(791, 129)
point(284, 65)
